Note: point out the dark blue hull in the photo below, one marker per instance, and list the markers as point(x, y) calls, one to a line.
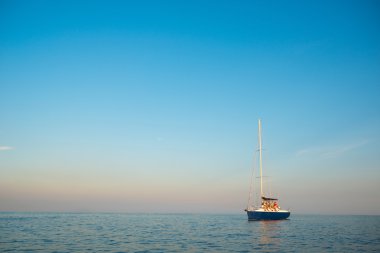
point(263, 215)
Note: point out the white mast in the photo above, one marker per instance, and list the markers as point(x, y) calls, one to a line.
point(261, 160)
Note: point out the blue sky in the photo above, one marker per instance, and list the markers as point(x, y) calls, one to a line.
point(152, 106)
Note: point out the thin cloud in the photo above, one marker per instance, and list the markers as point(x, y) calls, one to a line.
point(3, 148)
point(331, 151)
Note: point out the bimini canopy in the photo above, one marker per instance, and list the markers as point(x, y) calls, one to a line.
point(264, 198)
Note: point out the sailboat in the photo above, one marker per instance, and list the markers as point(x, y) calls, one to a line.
point(269, 208)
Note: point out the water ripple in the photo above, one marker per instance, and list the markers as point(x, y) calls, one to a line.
point(94, 232)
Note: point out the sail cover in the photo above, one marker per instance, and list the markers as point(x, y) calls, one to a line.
point(264, 198)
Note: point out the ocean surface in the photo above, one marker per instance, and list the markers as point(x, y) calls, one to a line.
point(110, 232)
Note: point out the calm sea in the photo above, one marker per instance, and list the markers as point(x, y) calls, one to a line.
point(102, 232)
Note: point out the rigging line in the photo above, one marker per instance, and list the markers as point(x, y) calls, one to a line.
point(254, 202)
point(261, 161)
point(251, 185)
point(251, 181)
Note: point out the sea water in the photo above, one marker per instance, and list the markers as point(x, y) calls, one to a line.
point(110, 232)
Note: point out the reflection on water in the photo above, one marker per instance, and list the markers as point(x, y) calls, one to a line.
point(270, 232)
point(266, 235)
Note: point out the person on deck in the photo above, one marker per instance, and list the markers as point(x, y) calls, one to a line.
point(275, 206)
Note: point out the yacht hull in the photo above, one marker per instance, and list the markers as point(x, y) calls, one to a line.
point(267, 215)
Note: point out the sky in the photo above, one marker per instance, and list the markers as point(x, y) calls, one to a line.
point(152, 106)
